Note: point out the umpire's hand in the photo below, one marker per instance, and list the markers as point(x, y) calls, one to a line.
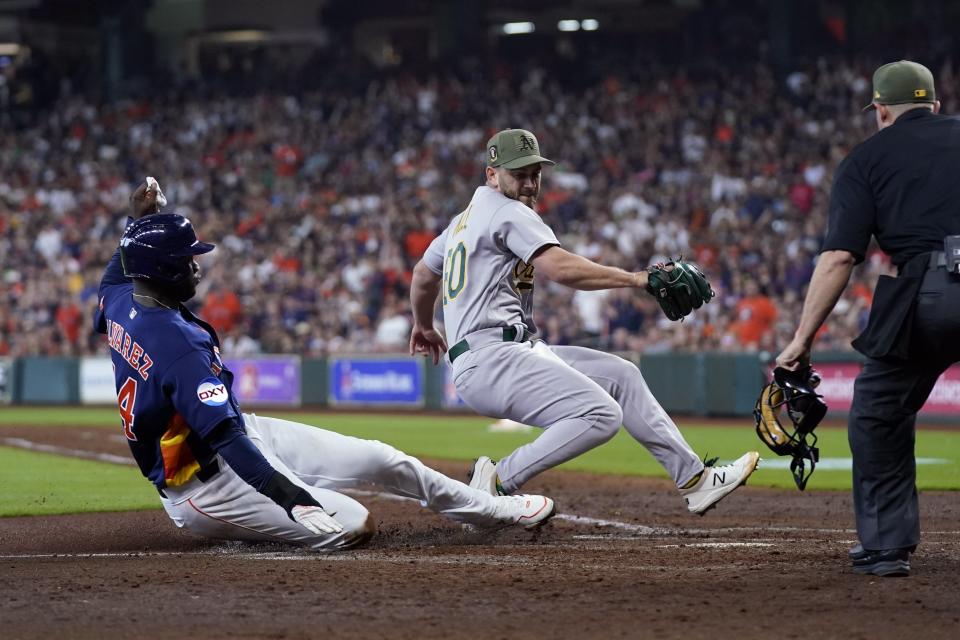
point(795, 356)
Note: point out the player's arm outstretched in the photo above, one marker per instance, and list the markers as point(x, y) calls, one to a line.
point(232, 443)
point(577, 272)
point(221, 427)
point(679, 287)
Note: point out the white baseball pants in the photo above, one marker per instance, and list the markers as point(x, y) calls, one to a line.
point(579, 396)
point(323, 463)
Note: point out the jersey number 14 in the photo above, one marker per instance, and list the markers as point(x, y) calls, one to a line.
point(454, 272)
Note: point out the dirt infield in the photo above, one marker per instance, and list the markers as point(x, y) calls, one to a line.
point(623, 560)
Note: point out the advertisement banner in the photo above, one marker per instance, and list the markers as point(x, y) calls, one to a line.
point(6, 380)
point(837, 389)
point(377, 382)
point(271, 380)
point(97, 382)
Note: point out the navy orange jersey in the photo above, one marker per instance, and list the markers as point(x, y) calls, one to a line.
point(172, 387)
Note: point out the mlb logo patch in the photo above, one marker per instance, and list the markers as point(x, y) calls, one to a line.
point(213, 393)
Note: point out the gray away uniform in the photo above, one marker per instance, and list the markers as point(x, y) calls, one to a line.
point(579, 396)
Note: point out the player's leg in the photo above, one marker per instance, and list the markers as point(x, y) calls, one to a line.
point(886, 398)
point(881, 428)
point(530, 384)
point(643, 417)
point(227, 508)
point(324, 458)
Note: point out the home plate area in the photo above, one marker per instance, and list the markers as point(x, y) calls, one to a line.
point(623, 559)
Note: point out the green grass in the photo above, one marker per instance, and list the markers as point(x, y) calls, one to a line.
point(44, 484)
point(38, 483)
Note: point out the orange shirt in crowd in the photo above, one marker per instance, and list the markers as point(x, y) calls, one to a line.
point(755, 317)
point(222, 309)
point(416, 242)
point(69, 317)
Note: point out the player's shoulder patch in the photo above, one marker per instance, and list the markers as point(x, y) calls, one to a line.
point(212, 392)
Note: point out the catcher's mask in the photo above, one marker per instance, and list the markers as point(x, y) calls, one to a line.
point(795, 390)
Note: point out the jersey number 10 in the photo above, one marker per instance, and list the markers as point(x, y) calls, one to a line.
point(454, 272)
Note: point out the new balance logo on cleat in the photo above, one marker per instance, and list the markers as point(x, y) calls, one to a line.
point(718, 482)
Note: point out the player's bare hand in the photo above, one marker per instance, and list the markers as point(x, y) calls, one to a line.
point(795, 356)
point(146, 199)
point(315, 519)
point(427, 342)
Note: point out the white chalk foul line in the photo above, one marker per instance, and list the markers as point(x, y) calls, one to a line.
point(716, 545)
point(21, 443)
point(636, 529)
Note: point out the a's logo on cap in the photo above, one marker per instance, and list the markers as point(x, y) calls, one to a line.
point(492, 151)
point(876, 94)
point(920, 93)
point(212, 392)
point(526, 143)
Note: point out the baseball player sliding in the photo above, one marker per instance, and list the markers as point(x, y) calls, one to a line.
point(483, 266)
point(226, 474)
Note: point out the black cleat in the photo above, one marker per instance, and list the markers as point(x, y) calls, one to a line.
point(885, 563)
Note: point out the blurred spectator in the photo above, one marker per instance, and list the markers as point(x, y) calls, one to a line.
point(222, 309)
point(326, 198)
point(755, 314)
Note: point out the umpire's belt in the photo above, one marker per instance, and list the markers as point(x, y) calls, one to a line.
point(484, 337)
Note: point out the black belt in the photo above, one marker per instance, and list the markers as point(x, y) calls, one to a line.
point(509, 335)
point(204, 474)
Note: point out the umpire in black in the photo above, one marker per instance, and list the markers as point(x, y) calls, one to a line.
point(901, 186)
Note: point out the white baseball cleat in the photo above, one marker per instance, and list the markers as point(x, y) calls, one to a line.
point(483, 476)
point(718, 482)
point(528, 511)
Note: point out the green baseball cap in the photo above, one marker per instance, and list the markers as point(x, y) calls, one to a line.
point(902, 82)
point(513, 149)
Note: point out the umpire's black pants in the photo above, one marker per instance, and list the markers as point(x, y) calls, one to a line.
point(881, 430)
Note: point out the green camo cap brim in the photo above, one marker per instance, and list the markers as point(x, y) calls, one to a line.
point(525, 161)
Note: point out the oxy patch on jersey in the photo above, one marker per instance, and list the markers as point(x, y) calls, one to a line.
point(212, 392)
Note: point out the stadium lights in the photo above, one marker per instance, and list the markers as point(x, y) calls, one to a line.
point(568, 25)
point(590, 24)
point(514, 28)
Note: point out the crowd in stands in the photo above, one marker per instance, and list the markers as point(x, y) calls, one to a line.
point(321, 203)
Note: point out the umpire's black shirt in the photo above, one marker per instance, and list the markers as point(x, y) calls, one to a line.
point(902, 185)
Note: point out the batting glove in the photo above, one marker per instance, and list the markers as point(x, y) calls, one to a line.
point(315, 519)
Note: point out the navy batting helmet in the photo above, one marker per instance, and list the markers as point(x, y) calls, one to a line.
point(154, 248)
